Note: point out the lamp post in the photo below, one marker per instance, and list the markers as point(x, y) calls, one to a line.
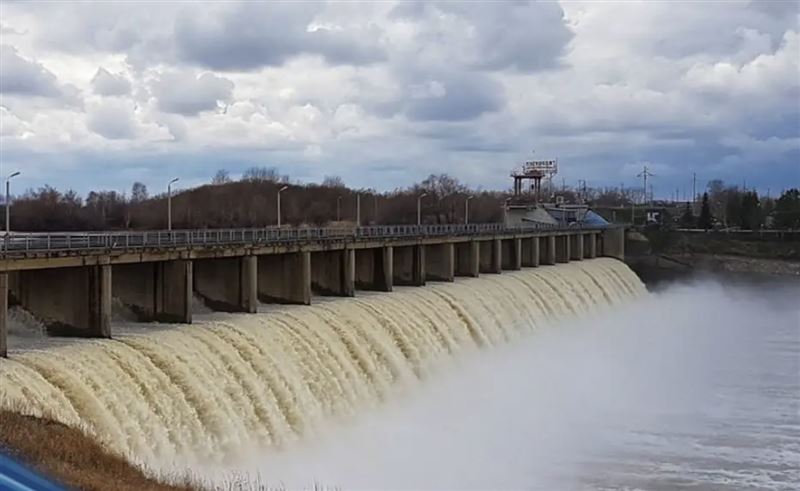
point(339, 208)
point(505, 212)
point(8, 205)
point(284, 188)
point(169, 202)
point(419, 208)
point(466, 209)
point(358, 209)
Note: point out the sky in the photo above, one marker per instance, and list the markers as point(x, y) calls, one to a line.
point(99, 95)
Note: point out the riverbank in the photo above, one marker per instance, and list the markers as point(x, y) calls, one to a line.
point(71, 458)
point(660, 257)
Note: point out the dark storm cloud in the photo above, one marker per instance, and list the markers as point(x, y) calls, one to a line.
point(25, 77)
point(248, 36)
point(455, 98)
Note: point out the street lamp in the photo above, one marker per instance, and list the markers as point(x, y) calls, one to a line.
point(358, 209)
point(8, 205)
point(466, 209)
point(169, 202)
point(284, 188)
point(419, 208)
point(339, 208)
point(505, 212)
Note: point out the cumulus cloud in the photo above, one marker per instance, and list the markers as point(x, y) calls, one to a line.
point(187, 94)
point(391, 91)
point(247, 36)
point(454, 98)
point(23, 76)
point(113, 119)
point(110, 84)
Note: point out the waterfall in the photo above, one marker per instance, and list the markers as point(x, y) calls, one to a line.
point(209, 391)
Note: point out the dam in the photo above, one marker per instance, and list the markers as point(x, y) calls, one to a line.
point(176, 396)
point(69, 281)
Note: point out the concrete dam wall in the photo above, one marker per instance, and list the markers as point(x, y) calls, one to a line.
point(211, 391)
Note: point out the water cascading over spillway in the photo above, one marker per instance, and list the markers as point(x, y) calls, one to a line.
point(209, 391)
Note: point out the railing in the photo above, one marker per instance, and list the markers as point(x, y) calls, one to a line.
point(55, 242)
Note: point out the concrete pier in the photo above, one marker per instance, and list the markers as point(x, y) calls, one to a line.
point(547, 250)
point(69, 301)
point(3, 315)
point(590, 245)
point(467, 259)
point(374, 269)
point(511, 255)
point(333, 272)
point(159, 291)
point(530, 252)
point(409, 265)
point(440, 262)
point(562, 249)
point(285, 278)
point(614, 242)
point(491, 256)
point(576, 247)
point(228, 284)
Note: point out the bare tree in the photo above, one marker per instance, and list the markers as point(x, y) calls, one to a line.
point(269, 174)
point(139, 192)
point(221, 177)
point(333, 182)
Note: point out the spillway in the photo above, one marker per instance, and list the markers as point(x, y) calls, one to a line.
point(210, 391)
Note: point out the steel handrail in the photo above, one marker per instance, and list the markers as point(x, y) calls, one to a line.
point(70, 241)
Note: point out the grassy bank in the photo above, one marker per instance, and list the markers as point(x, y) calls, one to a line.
point(70, 457)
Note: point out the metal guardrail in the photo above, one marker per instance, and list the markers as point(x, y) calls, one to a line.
point(57, 242)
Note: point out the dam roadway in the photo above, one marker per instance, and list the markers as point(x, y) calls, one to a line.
point(68, 280)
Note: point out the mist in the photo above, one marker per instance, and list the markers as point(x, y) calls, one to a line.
point(695, 386)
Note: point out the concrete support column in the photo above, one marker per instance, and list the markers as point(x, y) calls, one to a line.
point(576, 247)
point(409, 265)
point(228, 284)
point(69, 301)
point(562, 249)
point(333, 272)
point(439, 262)
point(614, 242)
point(4, 315)
point(530, 252)
point(491, 256)
point(547, 250)
point(174, 282)
point(374, 269)
point(512, 254)
point(285, 278)
point(467, 258)
point(590, 245)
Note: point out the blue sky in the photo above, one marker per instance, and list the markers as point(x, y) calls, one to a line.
point(97, 96)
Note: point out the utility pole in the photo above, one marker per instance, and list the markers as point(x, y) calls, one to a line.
point(694, 189)
point(644, 175)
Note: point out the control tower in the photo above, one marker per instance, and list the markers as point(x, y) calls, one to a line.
point(535, 171)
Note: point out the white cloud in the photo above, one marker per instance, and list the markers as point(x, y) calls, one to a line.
point(113, 119)
point(388, 92)
point(187, 94)
point(110, 84)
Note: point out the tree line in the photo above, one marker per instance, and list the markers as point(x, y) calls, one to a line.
point(252, 202)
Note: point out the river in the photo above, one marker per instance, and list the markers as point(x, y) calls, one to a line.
point(694, 387)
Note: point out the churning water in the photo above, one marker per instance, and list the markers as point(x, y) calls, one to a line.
point(695, 386)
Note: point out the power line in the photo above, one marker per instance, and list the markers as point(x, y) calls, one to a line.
point(644, 175)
